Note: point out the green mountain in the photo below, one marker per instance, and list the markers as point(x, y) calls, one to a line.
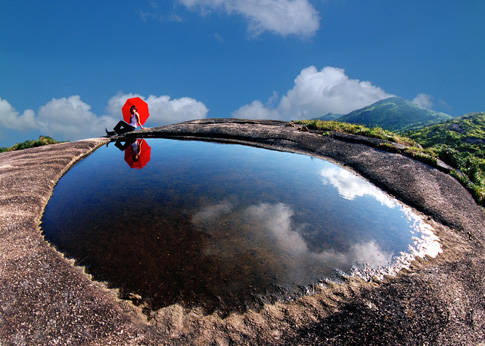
point(395, 114)
point(328, 117)
point(460, 143)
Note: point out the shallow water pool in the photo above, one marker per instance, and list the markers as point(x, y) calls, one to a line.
point(222, 227)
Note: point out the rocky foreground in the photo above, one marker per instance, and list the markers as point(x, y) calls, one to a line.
point(45, 298)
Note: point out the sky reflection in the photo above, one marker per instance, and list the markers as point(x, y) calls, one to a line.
point(350, 186)
point(276, 220)
point(226, 227)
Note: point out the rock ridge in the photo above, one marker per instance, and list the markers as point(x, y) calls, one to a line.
point(47, 299)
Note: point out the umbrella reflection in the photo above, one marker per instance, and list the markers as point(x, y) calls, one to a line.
point(137, 152)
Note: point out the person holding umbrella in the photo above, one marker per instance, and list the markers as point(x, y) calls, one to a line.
point(132, 119)
point(123, 126)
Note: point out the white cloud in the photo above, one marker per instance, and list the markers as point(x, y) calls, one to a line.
point(212, 212)
point(316, 93)
point(271, 228)
point(271, 225)
point(350, 186)
point(71, 118)
point(277, 219)
point(163, 109)
point(284, 17)
point(370, 253)
point(423, 101)
point(10, 118)
point(257, 110)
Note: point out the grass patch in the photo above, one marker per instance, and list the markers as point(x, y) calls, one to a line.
point(458, 143)
point(356, 129)
point(461, 144)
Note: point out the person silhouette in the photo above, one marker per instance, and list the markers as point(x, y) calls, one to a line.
point(123, 127)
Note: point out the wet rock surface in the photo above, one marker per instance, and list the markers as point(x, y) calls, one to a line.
point(46, 299)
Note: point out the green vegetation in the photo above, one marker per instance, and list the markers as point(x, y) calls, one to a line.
point(395, 114)
point(461, 144)
point(328, 117)
point(43, 140)
point(337, 126)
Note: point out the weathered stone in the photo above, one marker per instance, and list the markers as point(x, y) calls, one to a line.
point(46, 299)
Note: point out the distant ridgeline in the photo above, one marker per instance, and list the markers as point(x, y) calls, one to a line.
point(394, 113)
point(459, 142)
point(43, 140)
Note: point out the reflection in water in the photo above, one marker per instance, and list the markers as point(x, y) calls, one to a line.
point(137, 152)
point(272, 226)
point(219, 227)
point(369, 255)
point(350, 186)
point(207, 215)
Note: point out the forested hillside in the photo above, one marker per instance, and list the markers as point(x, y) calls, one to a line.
point(395, 114)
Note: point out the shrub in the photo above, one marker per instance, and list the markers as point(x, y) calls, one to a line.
point(458, 143)
point(43, 140)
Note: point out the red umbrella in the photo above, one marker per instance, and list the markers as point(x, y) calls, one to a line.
point(141, 107)
point(140, 147)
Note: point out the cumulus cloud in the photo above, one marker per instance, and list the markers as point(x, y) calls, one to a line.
point(257, 110)
point(163, 109)
point(283, 17)
point(210, 213)
point(64, 118)
point(10, 118)
point(272, 225)
point(276, 221)
point(423, 101)
point(370, 253)
point(70, 118)
point(276, 218)
point(316, 93)
point(350, 186)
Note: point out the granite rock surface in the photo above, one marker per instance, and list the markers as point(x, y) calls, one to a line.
point(47, 299)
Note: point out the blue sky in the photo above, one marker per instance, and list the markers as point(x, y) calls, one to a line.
point(67, 66)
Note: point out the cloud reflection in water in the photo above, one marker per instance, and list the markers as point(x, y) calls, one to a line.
point(272, 226)
point(211, 212)
point(277, 219)
point(350, 186)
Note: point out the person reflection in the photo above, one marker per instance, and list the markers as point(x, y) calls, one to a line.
point(136, 148)
point(122, 145)
point(137, 151)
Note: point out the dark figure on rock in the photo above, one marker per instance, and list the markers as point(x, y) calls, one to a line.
point(123, 127)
